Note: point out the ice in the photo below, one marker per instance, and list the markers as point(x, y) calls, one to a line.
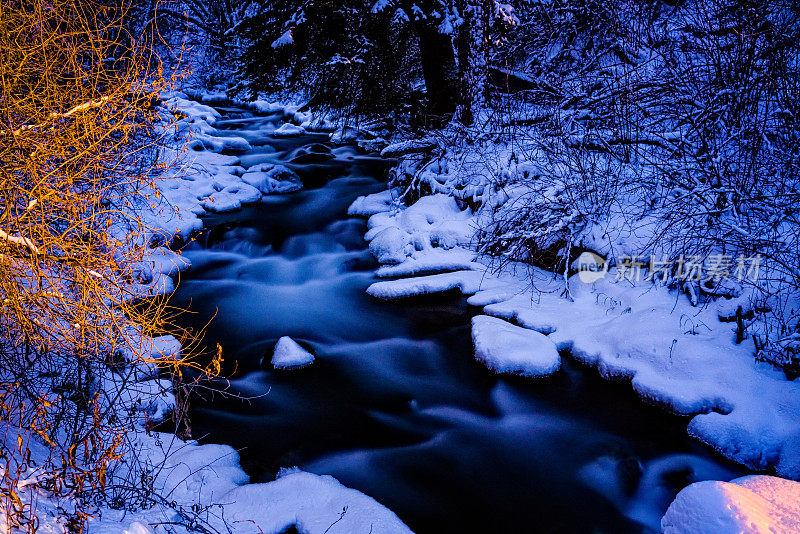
point(289, 355)
point(749, 505)
point(506, 348)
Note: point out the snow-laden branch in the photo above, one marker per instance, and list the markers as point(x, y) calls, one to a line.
point(55, 116)
point(18, 240)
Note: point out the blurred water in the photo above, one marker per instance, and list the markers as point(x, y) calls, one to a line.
point(395, 404)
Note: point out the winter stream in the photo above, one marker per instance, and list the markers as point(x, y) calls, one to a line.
point(395, 404)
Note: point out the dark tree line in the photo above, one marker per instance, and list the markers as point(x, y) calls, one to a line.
point(364, 56)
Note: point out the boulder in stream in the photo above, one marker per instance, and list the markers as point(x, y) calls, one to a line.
point(288, 354)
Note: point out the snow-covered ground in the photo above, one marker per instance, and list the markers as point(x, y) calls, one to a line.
point(205, 484)
point(676, 355)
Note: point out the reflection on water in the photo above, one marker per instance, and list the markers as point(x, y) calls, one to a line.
point(395, 404)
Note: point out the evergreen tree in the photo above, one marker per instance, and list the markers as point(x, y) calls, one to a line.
point(367, 56)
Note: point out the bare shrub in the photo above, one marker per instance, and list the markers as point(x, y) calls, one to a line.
point(78, 96)
point(670, 129)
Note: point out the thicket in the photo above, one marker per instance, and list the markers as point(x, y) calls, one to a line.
point(78, 159)
point(669, 128)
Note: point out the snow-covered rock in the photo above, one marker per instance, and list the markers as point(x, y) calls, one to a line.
point(372, 204)
point(749, 505)
point(288, 354)
point(507, 348)
point(271, 179)
point(289, 130)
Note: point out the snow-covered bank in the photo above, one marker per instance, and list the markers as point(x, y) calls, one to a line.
point(676, 355)
point(162, 483)
point(204, 485)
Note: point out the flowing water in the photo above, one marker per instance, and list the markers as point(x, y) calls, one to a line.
point(395, 404)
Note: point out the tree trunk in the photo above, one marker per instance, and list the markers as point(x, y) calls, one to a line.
point(472, 47)
point(438, 68)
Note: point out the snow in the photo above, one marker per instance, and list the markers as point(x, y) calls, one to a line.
point(412, 146)
point(676, 355)
point(284, 40)
point(432, 222)
point(433, 261)
point(289, 354)
point(749, 505)
point(655, 488)
point(208, 478)
point(467, 282)
point(314, 504)
point(372, 204)
point(506, 348)
point(271, 179)
point(289, 130)
point(207, 176)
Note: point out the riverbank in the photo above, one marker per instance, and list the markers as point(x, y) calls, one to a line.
point(187, 486)
point(445, 224)
point(680, 354)
point(427, 248)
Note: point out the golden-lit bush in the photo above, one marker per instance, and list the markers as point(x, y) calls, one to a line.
point(78, 119)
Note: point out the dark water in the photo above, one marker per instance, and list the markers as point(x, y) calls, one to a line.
point(395, 405)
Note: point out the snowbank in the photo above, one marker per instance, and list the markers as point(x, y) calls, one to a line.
point(313, 504)
point(676, 355)
point(207, 483)
point(289, 130)
point(748, 505)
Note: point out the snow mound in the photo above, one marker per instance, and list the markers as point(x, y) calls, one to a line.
point(372, 204)
point(289, 355)
point(313, 504)
point(289, 130)
point(506, 348)
point(748, 505)
point(271, 179)
point(432, 222)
